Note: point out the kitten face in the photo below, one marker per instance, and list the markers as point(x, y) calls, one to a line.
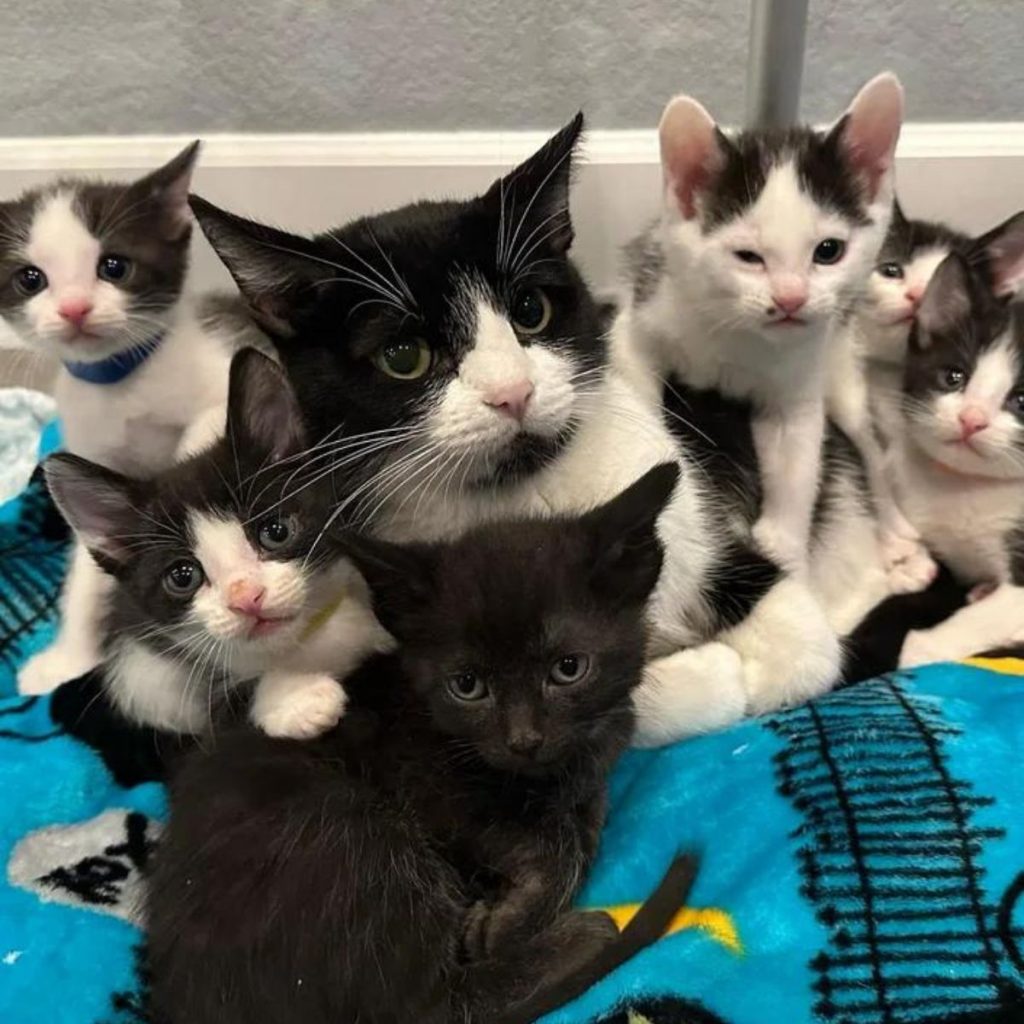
point(776, 230)
point(911, 254)
point(216, 559)
point(460, 329)
point(964, 378)
point(88, 270)
point(525, 639)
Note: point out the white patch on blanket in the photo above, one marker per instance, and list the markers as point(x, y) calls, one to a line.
point(94, 865)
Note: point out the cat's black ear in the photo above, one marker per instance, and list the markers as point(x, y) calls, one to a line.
point(264, 418)
point(101, 506)
point(946, 301)
point(168, 188)
point(625, 550)
point(401, 578)
point(533, 200)
point(1003, 251)
point(693, 153)
point(274, 270)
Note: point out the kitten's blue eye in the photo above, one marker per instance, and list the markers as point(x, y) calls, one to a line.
point(274, 533)
point(569, 669)
point(1015, 403)
point(183, 578)
point(404, 358)
point(29, 280)
point(953, 378)
point(467, 686)
point(748, 256)
point(890, 269)
point(829, 251)
point(531, 311)
point(113, 268)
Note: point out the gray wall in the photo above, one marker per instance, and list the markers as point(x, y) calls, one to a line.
point(72, 67)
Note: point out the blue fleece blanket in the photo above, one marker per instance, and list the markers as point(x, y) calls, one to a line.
point(863, 857)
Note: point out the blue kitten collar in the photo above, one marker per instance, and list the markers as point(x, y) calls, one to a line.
point(116, 367)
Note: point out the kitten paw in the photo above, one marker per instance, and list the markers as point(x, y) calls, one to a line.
point(780, 545)
point(57, 664)
point(908, 565)
point(309, 707)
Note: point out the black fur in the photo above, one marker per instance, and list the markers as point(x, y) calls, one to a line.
point(905, 238)
point(418, 864)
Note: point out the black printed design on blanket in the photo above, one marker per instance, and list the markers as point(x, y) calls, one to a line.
point(890, 858)
point(664, 1010)
point(97, 864)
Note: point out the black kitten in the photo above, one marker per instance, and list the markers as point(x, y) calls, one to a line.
point(419, 864)
point(459, 330)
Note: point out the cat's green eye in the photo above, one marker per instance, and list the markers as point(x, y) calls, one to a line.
point(890, 269)
point(183, 578)
point(275, 532)
point(404, 358)
point(531, 311)
point(467, 686)
point(569, 669)
point(29, 280)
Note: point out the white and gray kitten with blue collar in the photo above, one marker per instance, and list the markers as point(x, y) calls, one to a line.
point(92, 274)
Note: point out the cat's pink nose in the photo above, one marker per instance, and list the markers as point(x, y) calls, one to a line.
point(511, 399)
point(74, 311)
point(972, 421)
point(790, 301)
point(246, 598)
point(913, 294)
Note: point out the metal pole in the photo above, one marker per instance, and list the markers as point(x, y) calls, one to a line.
point(775, 62)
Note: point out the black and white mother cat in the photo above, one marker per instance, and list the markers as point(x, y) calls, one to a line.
point(456, 348)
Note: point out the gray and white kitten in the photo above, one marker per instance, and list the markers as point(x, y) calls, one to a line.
point(958, 460)
point(92, 273)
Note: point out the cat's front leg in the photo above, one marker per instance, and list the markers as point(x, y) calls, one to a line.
point(77, 647)
point(788, 444)
point(299, 706)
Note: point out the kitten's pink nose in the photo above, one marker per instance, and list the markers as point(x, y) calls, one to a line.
point(913, 294)
point(511, 399)
point(790, 300)
point(246, 598)
point(972, 421)
point(74, 311)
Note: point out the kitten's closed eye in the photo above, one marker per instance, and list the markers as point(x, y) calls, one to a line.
point(404, 358)
point(749, 256)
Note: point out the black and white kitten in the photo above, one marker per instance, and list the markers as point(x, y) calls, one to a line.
point(92, 273)
point(218, 576)
point(457, 348)
point(420, 863)
point(959, 459)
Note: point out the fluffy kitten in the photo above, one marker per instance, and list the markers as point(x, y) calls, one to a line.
point(765, 241)
point(959, 459)
point(420, 863)
point(218, 576)
point(92, 274)
point(457, 350)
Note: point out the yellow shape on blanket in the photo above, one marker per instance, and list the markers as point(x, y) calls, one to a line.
point(635, 1018)
point(1007, 666)
point(718, 924)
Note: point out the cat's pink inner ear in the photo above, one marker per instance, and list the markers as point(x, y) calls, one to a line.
point(1006, 256)
point(691, 153)
point(870, 129)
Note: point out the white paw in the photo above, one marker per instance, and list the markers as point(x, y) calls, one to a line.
point(908, 565)
point(304, 712)
point(693, 691)
point(779, 544)
point(57, 664)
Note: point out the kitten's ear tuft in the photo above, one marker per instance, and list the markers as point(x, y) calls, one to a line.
point(869, 130)
point(1003, 249)
point(401, 578)
point(264, 418)
point(626, 551)
point(693, 152)
point(899, 219)
point(274, 270)
point(100, 506)
point(946, 301)
point(533, 199)
point(168, 186)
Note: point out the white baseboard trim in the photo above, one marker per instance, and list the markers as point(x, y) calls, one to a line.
point(433, 149)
